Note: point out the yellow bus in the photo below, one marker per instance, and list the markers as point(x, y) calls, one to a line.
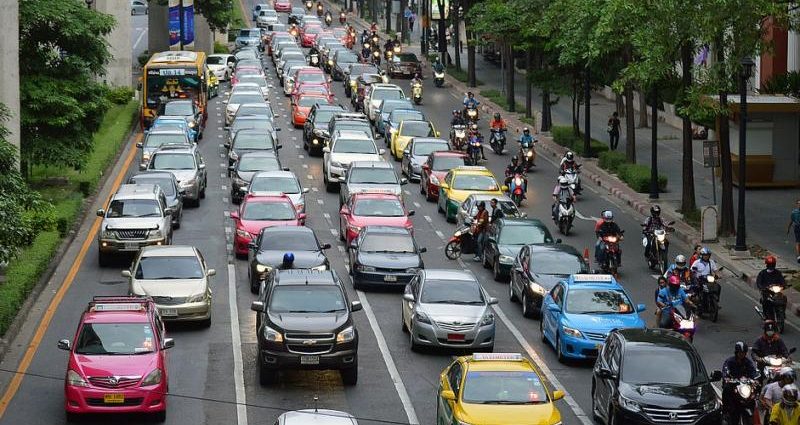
point(174, 75)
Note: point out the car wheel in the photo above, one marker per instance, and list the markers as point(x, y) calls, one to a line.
point(206, 323)
point(349, 375)
point(422, 187)
point(203, 191)
point(497, 273)
point(439, 206)
point(329, 186)
point(541, 331)
point(265, 376)
point(485, 262)
point(103, 260)
point(253, 287)
point(341, 232)
point(560, 350)
point(526, 305)
point(72, 417)
point(511, 296)
point(612, 416)
point(403, 322)
point(160, 416)
point(595, 414)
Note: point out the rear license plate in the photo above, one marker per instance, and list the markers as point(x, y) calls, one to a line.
point(390, 278)
point(169, 312)
point(113, 398)
point(131, 246)
point(407, 72)
point(455, 337)
point(309, 360)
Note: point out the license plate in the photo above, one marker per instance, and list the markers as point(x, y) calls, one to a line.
point(131, 246)
point(455, 337)
point(169, 312)
point(309, 360)
point(407, 72)
point(390, 278)
point(113, 398)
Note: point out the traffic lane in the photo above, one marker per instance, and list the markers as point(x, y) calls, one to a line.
point(41, 399)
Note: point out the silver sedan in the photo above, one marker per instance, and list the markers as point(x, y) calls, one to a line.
point(450, 309)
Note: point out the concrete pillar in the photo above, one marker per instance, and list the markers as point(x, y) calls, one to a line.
point(203, 39)
point(158, 31)
point(118, 70)
point(793, 51)
point(9, 67)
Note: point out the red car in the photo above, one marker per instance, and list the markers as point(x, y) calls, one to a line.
point(309, 35)
point(302, 108)
point(283, 6)
point(312, 90)
point(118, 360)
point(312, 76)
point(372, 209)
point(257, 212)
point(434, 170)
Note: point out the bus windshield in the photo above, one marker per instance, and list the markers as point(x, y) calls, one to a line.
point(164, 87)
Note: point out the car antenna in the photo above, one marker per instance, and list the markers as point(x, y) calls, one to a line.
point(316, 399)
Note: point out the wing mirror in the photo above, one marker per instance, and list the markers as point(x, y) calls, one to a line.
point(356, 306)
point(101, 212)
point(411, 213)
point(423, 250)
point(326, 246)
point(211, 272)
point(257, 306)
point(640, 308)
point(167, 344)
point(408, 297)
point(139, 145)
point(558, 395)
point(126, 273)
point(306, 189)
point(381, 151)
point(235, 215)
point(448, 395)
point(403, 181)
point(716, 376)
point(64, 344)
point(492, 301)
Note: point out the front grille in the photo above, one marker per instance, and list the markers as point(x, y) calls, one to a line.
point(132, 234)
point(169, 300)
point(451, 342)
point(317, 336)
point(128, 402)
point(451, 327)
point(114, 381)
point(672, 416)
point(595, 336)
point(309, 349)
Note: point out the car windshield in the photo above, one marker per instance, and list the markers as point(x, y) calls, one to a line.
point(133, 208)
point(359, 69)
point(378, 208)
point(268, 211)
point(507, 207)
point(169, 126)
point(248, 163)
point(306, 299)
point(239, 98)
point(178, 108)
point(258, 124)
point(382, 94)
point(294, 241)
point(309, 101)
point(387, 106)
point(275, 184)
point(474, 182)
point(256, 110)
point(451, 292)
point(155, 140)
point(447, 163)
point(416, 129)
point(346, 57)
point(169, 268)
point(247, 71)
point(354, 146)
point(427, 148)
point(253, 141)
point(312, 29)
point(388, 243)
point(311, 77)
point(372, 175)
point(353, 125)
point(501, 387)
point(215, 60)
point(675, 367)
point(165, 183)
point(293, 55)
point(115, 339)
point(556, 263)
point(172, 161)
point(598, 301)
point(255, 78)
point(249, 33)
point(399, 116)
point(523, 235)
point(405, 57)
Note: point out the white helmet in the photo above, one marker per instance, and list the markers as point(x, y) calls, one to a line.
point(563, 181)
point(608, 215)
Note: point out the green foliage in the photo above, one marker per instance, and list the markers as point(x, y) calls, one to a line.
point(788, 84)
point(461, 75)
point(218, 13)
point(120, 95)
point(143, 58)
point(113, 132)
point(611, 160)
point(500, 99)
point(565, 136)
point(237, 20)
point(637, 177)
point(220, 47)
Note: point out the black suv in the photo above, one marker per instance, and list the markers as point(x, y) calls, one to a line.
point(315, 130)
point(304, 321)
point(647, 376)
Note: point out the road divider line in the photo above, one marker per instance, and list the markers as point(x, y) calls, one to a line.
point(36, 341)
point(573, 405)
point(236, 339)
point(411, 414)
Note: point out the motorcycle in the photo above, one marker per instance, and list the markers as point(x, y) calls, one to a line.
point(458, 137)
point(309, 5)
point(565, 214)
point(471, 113)
point(708, 296)
point(573, 178)
point(416, 93)
point(462, 241)
point(498, 140)
point(438, 78)
point(387, 54)
point(611, 254)
point(773, 304)
point(683, 321)
point(528, 155)
point(376, 58)
point(516, 188)
point(328, 18)
point(319, 10)
point(342, 18)
point(397, 49)
point(474, 150)
point(313, 60)
point(745, 392)
point(659, 245)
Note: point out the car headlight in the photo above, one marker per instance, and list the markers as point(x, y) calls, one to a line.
point(320, 268)
point(422, 317)
point(353, 228)
point(346, 335)
point(187, 183)
point(196, 298)
point(156, 233)
point(107, 234)
point(505, 259)
point(192, 124)
point(74, 379)
point(712, 405)
point(353, 84)
point(434, 180)
point(487, 319)
point(536, 288)
point(145, 157)
point(272, 335)
point(330, 62)
point(363, 268)
point(412, 270)
point(242, 233)
point(260, 268)
point(572, 332)
point(629, 404)
point(152, 378)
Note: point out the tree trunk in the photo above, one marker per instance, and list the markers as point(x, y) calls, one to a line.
point(727, 224)
point(687, 195)
point(576, 105)
point(388, 16)
point(642, 109)
point(547, 118)
point(528, 84)
point(619, 103)
point(510, 78)
point(456, 37)
point(442, 34)
point(630, 125)
point(403, 27)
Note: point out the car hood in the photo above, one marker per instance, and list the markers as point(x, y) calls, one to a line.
point(603, 323)
point(418, 159)
point(668, 396)
point(439, 174)
point(246, 175)
point(115, 365)
point(183, 175)
point(150, 223)
point(502, 414)
point(450, 313)
point(302, 259)
point(347, 158)
point(510, 250)
point(393, 189)
point(458, 195)
point(216, 67)
point(389, 260)
point(176, 288)
point(548, 281)
point(309, 322)
point(255, 226)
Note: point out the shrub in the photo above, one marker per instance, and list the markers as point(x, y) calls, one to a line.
point(143, 58)
point(564, 136)
point(611, 160)
point(637, 177)
point(220, 47)
point(120, 95)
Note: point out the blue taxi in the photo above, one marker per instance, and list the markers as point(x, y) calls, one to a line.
point(579, 312)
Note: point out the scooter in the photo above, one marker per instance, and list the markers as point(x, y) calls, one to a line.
point(342, 18)
point(611, 254)
point(474, 150)
point(708, 297)
point(516, 188)
point(683, 321)
point(416, 93)
point(773, 304)
point(498, 140)
point(438, 78)
point(565, 215)
point(376, 57)
point(458, 137)
point(313, 60)
point(319, 10)
point(528, 155)
point(309, 5)
point(659, 246)
point(574, 178)
point(328, 19)
point(462, 241)
point(471, 113)
point(744, 402)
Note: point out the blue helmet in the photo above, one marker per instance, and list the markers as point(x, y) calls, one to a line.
point(288, 258)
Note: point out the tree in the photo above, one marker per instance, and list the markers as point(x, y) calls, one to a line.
point(63, 49)
point(218, 13)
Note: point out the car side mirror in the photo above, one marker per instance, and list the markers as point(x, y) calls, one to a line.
point(411, 213)
point(606, 374)
point(792, 350)
point(231, 167)
point(353, 244)
point(126, 273)
point(139, 145)
point(558, 395)
point(101, 212)
point(257, 306)
point(716, 376)
point(492, 301)
point(342, 179)
point(448, 395)
point(301, 216)
point(202, 166)
point(558, 240)
point(306, 190)
point(403, 181)
point(211, 272)
point(438, 133)
point(504, 188)
point(640, 308)
point(408, 297)
point(356, 306)
point(235, 215)
point(423, 250)
point(252, 245)
point(279, 146)
point(167, 344)
point(169, 211)
point(225, 101)
point(285, 168)
point(227, 145)
point(406, 152)
point(444, 185)
point(381, 151)
point(64, 344)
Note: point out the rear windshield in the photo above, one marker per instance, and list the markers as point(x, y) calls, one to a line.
point(156, 140)
point(173, 161)
point(275, 184)
point(133, 208)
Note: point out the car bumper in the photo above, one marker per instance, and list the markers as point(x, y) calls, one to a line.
point(433, 335)
point(240, 244)
point(433, 190)
point(640, 418)
point(579, 348)
point(192, 192)
point(185, 312)
point(115, 245)
point(137, 399)
point(298, 120)
point(316, 144)
point(282, 360)
point(387, 278)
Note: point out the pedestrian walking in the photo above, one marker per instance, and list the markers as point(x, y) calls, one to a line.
point(411, 21)
point(613, 131)
point(794, 220)
point(407, 15)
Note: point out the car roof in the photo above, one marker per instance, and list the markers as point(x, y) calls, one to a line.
point(488, 197)
point(471, 169)
point(175, 148)
point(137, 190)
point(387, 230)
point(449, 274)
point(376, 86)
point(521, 365)
point(152, 174)
point(130, 309)
point(165, 131)
point(168, 251)
point(374, 195)
point(415, 121)
point(275, 173)
point(288, 229)
point(449, 153)
point(305, 276)
point(352, 134)
point(428, 140)
point(317, 417)
point(657, 337)
point(267, 198)
point(371, 164)
point(514, 221)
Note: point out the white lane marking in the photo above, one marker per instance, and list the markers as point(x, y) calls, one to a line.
point(411, 414)
point(341, 248)
point(320, 201)
point(225, 199)
point(238, 365)
point(416, 204)
point(223, 175)
point(305, 165)
point(222, 155)
point(334, 232)
point(428, 219)
point(294, 138)
point(221, 145)
point(310, 177)
point(440, 234)
point(297, 146)
point(219, 136)
point(223, 187)
point(543, 366)
point(407, 192)
point(315, 189)
point(219, 128)
point(226, 213)
point(580, 216)
point(222, 165)
point(300, 156)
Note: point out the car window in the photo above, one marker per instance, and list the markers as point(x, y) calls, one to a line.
point(268, 211)
point(239, 98)
point(164, 183)
point(427, 148)
point(293, 241)
point(446, 163)
point(306, 299)
point(372, 175)
point(523, 235)
point(676, 367)
point(249, 163)
point(115, 339)
point(354, 146)
point(475, 182)
point(557, 263)
point(382, 94)
point(387, 243)
point(157, 267)
point(253, 141)
point(155, 140)
point(120, 208)
point(454, 377)
point(288, 185)
point(309, 101)
point(178, 108)
point(557, 293)
point(379, 208)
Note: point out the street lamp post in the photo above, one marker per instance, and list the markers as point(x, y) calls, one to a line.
point(747, 69)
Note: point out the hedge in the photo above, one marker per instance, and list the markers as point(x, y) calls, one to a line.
point(611, 160)
point(636, 176)
point(565, 136)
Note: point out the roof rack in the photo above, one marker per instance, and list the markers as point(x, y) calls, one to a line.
point(514, 357)
point(592, 278)
point(120, 303)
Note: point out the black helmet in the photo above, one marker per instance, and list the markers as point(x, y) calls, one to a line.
point(740, 347)
point(497, 115)
point(514, 159)
point(570, 156)
point(455, 111)
point(655, 211)
point(482, 204)
point(470, 94)
point(770, 326)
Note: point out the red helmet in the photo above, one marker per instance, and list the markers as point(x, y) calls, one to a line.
point(674, 281)
point(770, 261)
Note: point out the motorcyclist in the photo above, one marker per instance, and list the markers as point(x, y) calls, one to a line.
point(328, 17)
point(773, 392)
point(786, 412)
point(651, 223)
point(662, 283)
point(416, 80)
point(373, 28)
point(561, 188)
point(767, 278)
point(605, 227)
point(320, 8)
point(525, 140)
point(568, 162)
point(457, 118)
point(470, 102)
point(366, 52)
point(475, 135)
point(497, 125)
point(364, 37)
point(679, 269)
point(514, 168)
point(736, 367)
point(438, 66)
point(671, 296)
point(704, 265)
point(769, 344)
point(288, 261)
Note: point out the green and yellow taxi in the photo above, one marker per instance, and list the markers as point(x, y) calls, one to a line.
point(407, 130)
point(460, 182)
point(496, 389)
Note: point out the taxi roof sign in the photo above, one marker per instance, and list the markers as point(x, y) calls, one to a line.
point(593, 278)
point(118, 307)
point(516, 357)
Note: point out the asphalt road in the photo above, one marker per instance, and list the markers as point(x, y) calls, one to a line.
point(395, 384)
point(139, 33)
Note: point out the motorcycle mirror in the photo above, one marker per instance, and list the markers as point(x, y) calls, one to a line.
point(716, 376)
point(792, 350)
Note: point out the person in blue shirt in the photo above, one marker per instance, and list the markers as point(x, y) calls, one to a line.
point(470, 101)
point(672, 295)
point(794, 220)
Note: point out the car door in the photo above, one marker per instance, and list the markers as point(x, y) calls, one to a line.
point(448, 179)
point(518, 273)
point(551, 312)
point(408, 306)
point(605, 388)
point(201, 170)
point(490, 248)
point(452, 381)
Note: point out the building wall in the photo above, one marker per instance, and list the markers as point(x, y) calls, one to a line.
point(9, 67)
point(786, 146)
point(203, 39)
point(119, 70)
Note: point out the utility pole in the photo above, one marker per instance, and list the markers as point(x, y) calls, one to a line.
point(587, 129)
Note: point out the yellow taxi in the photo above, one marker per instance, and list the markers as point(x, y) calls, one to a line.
point(496, 389)
point(407, 130)
point(460, 182)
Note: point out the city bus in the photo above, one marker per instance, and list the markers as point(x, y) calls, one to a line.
point(174, 75)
